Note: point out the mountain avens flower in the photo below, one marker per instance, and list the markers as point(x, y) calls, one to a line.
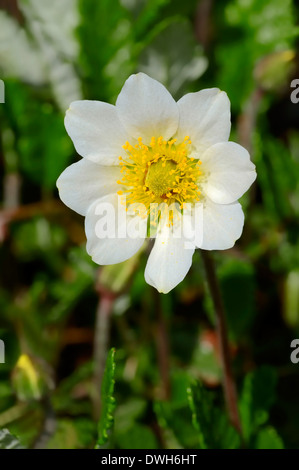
point(149, 151)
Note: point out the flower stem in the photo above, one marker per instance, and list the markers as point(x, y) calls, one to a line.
point(163, 353)
point(221, 329)
point(101, 340)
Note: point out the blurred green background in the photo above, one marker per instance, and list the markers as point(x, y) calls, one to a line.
point(167, 391)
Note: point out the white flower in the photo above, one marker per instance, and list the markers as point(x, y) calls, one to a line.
point(152, 149)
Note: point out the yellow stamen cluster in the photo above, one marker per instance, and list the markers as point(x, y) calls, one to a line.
point(159, 172)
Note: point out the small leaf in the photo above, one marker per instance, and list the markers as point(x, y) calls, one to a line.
point(108, 401)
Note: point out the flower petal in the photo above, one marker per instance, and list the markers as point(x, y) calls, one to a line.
point(147, 109)
point(117, 246)
point(222, 225)
point(96, 131)
point(205, 118)
point(168, 262)
point(83, 182)
point(229, 172)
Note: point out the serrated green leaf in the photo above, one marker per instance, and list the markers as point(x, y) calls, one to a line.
point(175, 419)
point(108, 400)
point(214, 430)
point(174, 415)
point(200, 404)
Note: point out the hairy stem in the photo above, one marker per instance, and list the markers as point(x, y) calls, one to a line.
point(101, 340)
point(221, 329)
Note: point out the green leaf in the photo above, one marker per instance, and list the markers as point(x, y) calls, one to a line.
point(200, 404)
point(8, 441)
point(214, 430)
point(108, 401)
point(175, 420)
point(268, 438)
point(226, 436)
point(174, 416)
point(256, 399)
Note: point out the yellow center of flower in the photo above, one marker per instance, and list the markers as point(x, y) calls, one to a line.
point(160, 172)
point(159, 177)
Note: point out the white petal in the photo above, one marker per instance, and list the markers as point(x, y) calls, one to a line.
point(147, 109)
point(96, 131)
point(169, 261)
point(205, 118)
point(222, 225)
point(83, 182)
point(117, 246)
point(229, 172)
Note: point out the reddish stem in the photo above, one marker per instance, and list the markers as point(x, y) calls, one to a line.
point(221, 329)
point(101, 343)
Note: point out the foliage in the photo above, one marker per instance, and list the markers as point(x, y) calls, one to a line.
point(107, 400)
point(211, 424)
point(167, 380)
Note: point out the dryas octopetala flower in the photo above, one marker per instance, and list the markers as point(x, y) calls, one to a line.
point(152, 150)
